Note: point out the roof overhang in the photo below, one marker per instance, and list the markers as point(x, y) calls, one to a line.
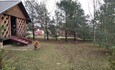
point(6, 5)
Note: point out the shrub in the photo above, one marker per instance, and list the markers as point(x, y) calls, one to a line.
point(112, 60)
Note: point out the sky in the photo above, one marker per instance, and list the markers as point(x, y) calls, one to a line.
point(87, 6)
point(51, 5)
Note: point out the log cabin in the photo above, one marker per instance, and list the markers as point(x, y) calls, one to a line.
point(13, 19)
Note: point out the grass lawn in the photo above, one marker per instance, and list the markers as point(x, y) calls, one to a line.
point(59, 56)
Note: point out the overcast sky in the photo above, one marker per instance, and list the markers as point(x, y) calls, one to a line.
point(51, 5)
point(87, 5)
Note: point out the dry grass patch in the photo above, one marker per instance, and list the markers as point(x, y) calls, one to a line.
point(60, 56)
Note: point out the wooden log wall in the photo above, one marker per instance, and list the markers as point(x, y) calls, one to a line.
point(21, 27)
point(16, 11)
point(5, 24)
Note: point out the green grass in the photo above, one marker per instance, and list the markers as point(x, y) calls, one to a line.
point(59, 56)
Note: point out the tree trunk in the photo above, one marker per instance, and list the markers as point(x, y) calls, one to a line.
point(84, 37)
point(74, 33)
point(65, 35)
point(33, 31)
point(47, 33)
point(56, 37)
point(94, 36)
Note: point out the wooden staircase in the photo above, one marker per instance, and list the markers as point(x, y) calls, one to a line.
point(21, 40)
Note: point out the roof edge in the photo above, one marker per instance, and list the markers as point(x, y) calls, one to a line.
point(11, 6)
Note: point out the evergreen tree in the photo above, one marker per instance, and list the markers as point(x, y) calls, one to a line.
point(38, 13)
point(73, 15)
point(106, 24)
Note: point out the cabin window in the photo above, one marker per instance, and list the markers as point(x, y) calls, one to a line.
point(7, 32)
point(7, 25)
point(2, 26)
point(2, 18)
point(4, 29)
point(4, 21)
point(21, 21)
point(7, 17)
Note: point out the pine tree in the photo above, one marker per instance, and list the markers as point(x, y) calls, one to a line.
point(106, 24)
point(74, 17)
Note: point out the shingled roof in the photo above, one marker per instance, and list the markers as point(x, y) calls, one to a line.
point(8, 4)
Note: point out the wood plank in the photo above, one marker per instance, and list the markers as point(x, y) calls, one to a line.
point(16, 11)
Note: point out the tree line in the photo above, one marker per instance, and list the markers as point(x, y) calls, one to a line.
point(105, 24)
point(70, 18)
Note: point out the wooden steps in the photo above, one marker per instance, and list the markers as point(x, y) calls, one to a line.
point(21, 40)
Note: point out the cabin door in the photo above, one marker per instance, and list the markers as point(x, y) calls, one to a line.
point(13, 26)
